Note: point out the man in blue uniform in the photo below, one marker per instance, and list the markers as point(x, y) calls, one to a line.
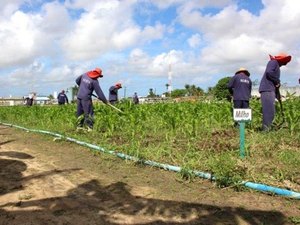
point(62, 98)
point(240, 87)
point(135, 98)
point(268, 85)
point(113, 93)
point(88, 82)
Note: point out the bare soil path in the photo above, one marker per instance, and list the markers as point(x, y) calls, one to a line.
point(60, 183)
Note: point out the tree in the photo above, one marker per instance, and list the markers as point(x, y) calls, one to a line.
point(187, 87)
point(167, 89)
point(178, 93)
point(192, 90)
point(75, 90)
point(255, 83)
point(221, 90)
point(51, 97)
point(151, 93)
point(210, 91)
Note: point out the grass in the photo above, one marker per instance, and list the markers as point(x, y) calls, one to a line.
point(196, 136)
point(295, 219)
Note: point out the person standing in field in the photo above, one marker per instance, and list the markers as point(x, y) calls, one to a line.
point(113, 93)
point(240, 87)
point(29, 100)
point(62, 98)
point(88, 82)
point(269, 85)
point(135, 98)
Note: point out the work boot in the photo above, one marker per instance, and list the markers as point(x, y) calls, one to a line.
point(80, 129)
point(266, 129)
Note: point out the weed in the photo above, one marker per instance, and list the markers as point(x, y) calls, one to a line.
point(195, 135)
point(226, 170)
point(295, 219)
point(186, 174)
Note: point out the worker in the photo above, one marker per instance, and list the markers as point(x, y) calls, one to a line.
point(135, 98)
point(240, 87)
point(269, 83)
point(88, 82)
point(62, 98)
point(29, 100)
point(113, 93)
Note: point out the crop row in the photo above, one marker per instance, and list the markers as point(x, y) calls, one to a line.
point(198, 135)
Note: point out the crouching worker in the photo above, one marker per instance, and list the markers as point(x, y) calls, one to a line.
point(113, 93)
point(88, 82)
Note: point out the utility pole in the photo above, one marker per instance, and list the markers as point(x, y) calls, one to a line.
point(124, 92)
point(170, 79)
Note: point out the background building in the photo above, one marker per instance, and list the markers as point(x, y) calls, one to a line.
point(284, 91)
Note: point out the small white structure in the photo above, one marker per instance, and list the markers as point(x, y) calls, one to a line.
point(41, 100)
point(284, 91)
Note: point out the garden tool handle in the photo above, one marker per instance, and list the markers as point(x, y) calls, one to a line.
point(115, 108)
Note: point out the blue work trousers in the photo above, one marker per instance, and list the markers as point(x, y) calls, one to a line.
point(240, 104)
point(268, 108)
point(85, 107)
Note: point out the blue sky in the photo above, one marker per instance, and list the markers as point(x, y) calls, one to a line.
point(45, 45)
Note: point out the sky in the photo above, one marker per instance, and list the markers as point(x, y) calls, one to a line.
point(45, 45)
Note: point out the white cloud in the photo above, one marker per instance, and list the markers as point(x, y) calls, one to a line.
point(99, 31)
point(199, 3)
point(194, 41)
point(18, 37)
point(237, 37)
point(8, 7)
point(158, 66)
point(55, 42)
point(56, 21)
point(26, 36)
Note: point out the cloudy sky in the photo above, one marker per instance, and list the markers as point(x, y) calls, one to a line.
point(45, 45)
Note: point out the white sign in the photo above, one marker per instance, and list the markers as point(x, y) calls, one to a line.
point(242, 114)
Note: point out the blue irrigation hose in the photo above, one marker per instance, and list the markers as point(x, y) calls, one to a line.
point(274, 190)
point(255, 186)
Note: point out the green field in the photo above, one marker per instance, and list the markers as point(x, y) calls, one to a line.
point(193, 135)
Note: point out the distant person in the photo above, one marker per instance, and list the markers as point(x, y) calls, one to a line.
point(62, 98)
point(29, 99)
point(88, 82)
point(135, 98)
point(240, 87)
point(113, 93)
point(269, 85)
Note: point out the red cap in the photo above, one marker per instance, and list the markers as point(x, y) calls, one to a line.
point(282, 58)
point(118, 85)
point(96, 73)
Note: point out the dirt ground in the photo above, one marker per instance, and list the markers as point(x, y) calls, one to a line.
point(56, 182)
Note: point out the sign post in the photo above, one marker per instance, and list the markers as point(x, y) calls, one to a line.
point(242, 139)
point(242, 116)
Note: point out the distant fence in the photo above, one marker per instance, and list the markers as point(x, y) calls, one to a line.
point(21, 101)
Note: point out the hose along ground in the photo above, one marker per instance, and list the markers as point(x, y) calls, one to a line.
point(255, 186)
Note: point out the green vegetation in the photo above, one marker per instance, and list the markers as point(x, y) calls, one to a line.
point(220, 91)
point(194, 135)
